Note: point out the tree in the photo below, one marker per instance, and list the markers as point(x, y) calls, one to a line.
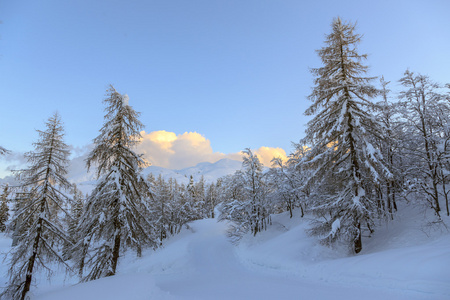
point(288, 178)
point(212, 198)
point(73, 221)
point(346, 166)
point(426, 113)
point(4, 209)
point(39, 226)
point(114, 216)
point(249, 209)
point(389, 145)
point(161, 206)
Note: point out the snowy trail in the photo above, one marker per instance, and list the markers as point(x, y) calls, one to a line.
point(218, 274)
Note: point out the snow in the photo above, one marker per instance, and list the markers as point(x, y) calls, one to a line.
point(125, 100)
point(405, 260)
point(210, 171)
point(335, 227)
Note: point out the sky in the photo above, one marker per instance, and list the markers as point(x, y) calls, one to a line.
point(209, 77)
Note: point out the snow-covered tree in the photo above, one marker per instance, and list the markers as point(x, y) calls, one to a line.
point(20, 198)
point(199, 199)
point(73, 221)
point(389, 144)
point(426, 111)
point(4, 209)
point(161, 206)
point(250, 209)
point(346, 166)
point(40, 229)
point(288, 178)
point(114, 217)
point(212, 198)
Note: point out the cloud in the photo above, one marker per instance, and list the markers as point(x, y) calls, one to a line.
point(177, 151)
point(169, 150)
point(266, 154)
point(12, 161)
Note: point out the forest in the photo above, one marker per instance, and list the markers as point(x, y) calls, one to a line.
point(366, 150)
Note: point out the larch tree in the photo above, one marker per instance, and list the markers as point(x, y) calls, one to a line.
point(41, 232)
point(346, 166)
point(114, 217)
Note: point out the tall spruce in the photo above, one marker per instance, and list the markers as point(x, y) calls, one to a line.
point(346, 167)
point(41, 232)
point(114, 215)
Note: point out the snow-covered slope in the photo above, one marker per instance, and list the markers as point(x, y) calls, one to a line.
point(210, 171)
point(399, 262)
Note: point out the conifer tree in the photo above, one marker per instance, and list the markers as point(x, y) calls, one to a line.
point(4, 209)
point(40, 231)
point(212, 198)
point(345, 164)
point(114, 218)
point(72, 222)
point(161, 206)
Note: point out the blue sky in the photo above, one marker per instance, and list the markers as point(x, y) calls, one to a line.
point(235, 72)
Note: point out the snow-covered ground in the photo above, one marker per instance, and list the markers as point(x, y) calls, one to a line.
point(403, 261)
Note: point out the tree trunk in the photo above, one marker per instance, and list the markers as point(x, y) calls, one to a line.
point(32, 260)
point(116, 249)
point(357, 241)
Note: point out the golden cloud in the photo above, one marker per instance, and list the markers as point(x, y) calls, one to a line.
point(266, 154)
point(177, 151)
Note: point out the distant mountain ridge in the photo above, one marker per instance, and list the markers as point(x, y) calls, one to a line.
point(210, 171)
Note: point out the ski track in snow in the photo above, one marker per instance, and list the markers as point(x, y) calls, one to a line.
point(200, 263)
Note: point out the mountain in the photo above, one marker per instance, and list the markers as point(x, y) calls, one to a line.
point(210, 171)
